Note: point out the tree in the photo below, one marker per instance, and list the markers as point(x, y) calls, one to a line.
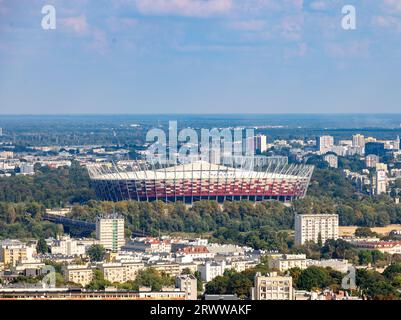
point(41, 246)
point(364, 232)
point(96, 252)
point(313, 277)
point(98, 282)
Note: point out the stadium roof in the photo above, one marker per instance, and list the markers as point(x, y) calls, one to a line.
point(197, 170)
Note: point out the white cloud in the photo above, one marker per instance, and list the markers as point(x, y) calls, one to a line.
point(77, 24)
point(191, 8)
point(318, 5)
point(291, 27)
point(387, 22)
point(248, 25)
point(394, 5)
point(348, 50)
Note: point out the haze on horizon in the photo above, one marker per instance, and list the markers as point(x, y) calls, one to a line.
point(199, 57)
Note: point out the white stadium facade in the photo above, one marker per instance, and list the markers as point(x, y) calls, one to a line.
point(198, 180)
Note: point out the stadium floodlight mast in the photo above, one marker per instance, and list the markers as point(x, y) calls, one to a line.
point(224, 146)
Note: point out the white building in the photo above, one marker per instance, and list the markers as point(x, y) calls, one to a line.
point(371, 160)
point(110, 232)
point(381, 182)
point(309, 227)
point(211, 270)
point(332, 160)
point(67, 246)
point(272, 287)
point(188, 284)
point(358, 141)
point(324, 143)
point(27, 168)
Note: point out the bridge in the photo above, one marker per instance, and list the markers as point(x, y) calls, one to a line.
point(84, 227)
point(69, 222)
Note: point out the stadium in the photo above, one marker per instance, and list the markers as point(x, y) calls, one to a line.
point(198, 181)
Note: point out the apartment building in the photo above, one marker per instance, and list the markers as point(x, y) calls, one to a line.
point(272, 287)
point(288, 261)
point(188, 284)
point(171, 268)
point(12, 252)
point(121, 272)
point(110, 232)
point(211, 270)
point(311, 227)
point(79, 274)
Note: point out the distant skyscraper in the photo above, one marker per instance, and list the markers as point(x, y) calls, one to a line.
point(324, 143)
point(309, 227)
point(1, 132)
point(110, 232)
point(261, 143)
point(358, 142)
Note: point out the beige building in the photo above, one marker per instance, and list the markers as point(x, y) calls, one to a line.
point(80, 274)
point(12, 252)
point(110, 232)
point(309, 227)
point(121, 272)
point(188, 284)
point(169, 268)
point(288, 261)
point(272, 287)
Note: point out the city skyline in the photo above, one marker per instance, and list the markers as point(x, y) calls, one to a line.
point(216, 56)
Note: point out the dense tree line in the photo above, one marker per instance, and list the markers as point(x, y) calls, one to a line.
point(23, 221)
point(50, 187)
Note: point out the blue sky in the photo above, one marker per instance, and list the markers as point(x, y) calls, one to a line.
point(200, 56)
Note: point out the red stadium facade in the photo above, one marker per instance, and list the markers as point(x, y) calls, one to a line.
point(199, 181)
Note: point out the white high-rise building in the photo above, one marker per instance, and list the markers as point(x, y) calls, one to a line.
point(381, 181)
point(261, 143)
point(110, 232)
point(272, 287)
point(358, 142)
point(324, 143)
point(309, 227)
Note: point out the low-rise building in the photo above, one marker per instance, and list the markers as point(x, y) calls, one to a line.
point(272, 287)
point(288, 261)
point(12, 252)
point(67, 246)
point(121, 272)
point(170, 268)
point(211, 270)
point(79, 274)
point(188, 284)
